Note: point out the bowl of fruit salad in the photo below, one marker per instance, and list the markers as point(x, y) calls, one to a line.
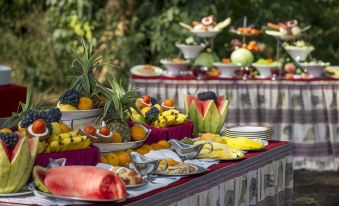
point(227, 68)
point(174, 66)
point(298, 50)
point(265, 67)
point(314, 68)
point(190, 49)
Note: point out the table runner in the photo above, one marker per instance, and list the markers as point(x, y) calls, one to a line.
point(263, 178)
point(302, 111)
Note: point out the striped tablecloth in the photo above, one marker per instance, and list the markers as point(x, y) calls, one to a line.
point(305, 112)
point(263, 178)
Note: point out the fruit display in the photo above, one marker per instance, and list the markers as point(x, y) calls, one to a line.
point(17, 155)
point(129, 176)
point(207, 111)
point(71, 101)
point(206, 24)
point(220, 151)
point(285, 29)
point(157, 115)
point(179, 168)
point(266, 62)
point(80, 181)
point(118, 107)
point(247, 31)
point(206, 59)
point(59, 142)
point(298, 45)
point(122, 158)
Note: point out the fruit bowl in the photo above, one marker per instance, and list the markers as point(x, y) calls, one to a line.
point(313, 70)
point(114, 147)
point(190, 51)
point(80, 114)
point(298, 54)
point(265, 69)
point(227, 70)
point(206, 34)
point(174, 68)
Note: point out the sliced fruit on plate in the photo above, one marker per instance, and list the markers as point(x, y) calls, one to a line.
point(85, 182)
point(39, 175)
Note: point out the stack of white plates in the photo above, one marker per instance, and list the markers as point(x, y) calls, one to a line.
point(5, 75)
point(253, 132)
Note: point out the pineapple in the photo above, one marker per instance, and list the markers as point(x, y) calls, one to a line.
point(118, 107)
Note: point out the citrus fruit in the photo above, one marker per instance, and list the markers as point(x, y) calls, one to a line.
point(147, 147)
point(103, 159)
point(142, 151)
point(170, 162)
point(85, 103)
point(112, 159)
point(156, 146)
point(169, 103)
point(116, 138)
point(124, 159)
point(63, 127)
point(5, 130)
point(129, 151)
point(121, 152)
point(164, 144)
point(138, 133)
point(66, 107)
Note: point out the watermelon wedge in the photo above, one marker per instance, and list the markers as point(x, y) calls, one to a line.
point(207, 115)
point(85, 182)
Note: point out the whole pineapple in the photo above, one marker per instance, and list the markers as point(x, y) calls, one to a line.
point(118, 107)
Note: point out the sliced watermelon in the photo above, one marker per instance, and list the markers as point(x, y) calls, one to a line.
point(6, 149)
point(207, 116)
point(84, 181)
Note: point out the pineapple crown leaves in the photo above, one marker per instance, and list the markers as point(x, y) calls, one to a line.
point(119, 100)
point(28, 105)
point(83, 69)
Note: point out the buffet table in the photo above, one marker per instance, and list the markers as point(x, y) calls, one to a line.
point(302, 111)
point(263, 178)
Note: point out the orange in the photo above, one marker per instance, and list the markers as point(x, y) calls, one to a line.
point(169, 103)
point(63, 127)
point(124, 159)
point(164, 144)
point(170, 162)
point(129, 151)
point(6, 130)
point(103, 159)
point(116, 138)
point(112, 159)
point(138, 133)
point(85, 103)
point(142, 151)
point(121, 152)
point(147, 147)
point(156, 146)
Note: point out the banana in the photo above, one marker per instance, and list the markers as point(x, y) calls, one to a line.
point(73, 134)
point(55, 147)
point(216, 146)
point(170, 119)
point(52, 138)
point(65, 136)
point(243, 143)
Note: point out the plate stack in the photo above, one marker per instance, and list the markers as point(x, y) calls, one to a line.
point(5, 75)
point(252, 132)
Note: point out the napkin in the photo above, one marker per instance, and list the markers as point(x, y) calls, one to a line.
point(162, 154)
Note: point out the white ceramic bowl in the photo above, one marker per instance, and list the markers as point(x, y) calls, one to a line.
point(265, 69)
point(80, 114)
point(190, 51)
point(314, 70)
point(115, 147)
point(206, 34)
point(174, 69)
point(299, 54)
point(227, 70)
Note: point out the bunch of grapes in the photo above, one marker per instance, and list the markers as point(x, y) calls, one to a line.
point(152, 115)
point(10, 139)
point(71, 97)
point(209, 95)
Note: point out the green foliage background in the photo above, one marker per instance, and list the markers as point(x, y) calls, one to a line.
point(36, 34)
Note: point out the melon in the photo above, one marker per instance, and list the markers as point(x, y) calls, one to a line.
point(17, 166)
point(207, 115)
point(39, 174)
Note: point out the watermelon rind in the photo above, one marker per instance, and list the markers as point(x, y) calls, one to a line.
point(33, 150)
point(212, 118)
point(5, 166)
point(223, 113)
point(39, 183)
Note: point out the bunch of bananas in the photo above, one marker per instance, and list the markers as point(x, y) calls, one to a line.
point(63, 142)
point(169, 118)
point(243, 143)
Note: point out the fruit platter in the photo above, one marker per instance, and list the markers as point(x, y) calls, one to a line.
point(288, 30)
point(175, 66)
point(207, 27)
point(146, 71)
point(246, 31)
